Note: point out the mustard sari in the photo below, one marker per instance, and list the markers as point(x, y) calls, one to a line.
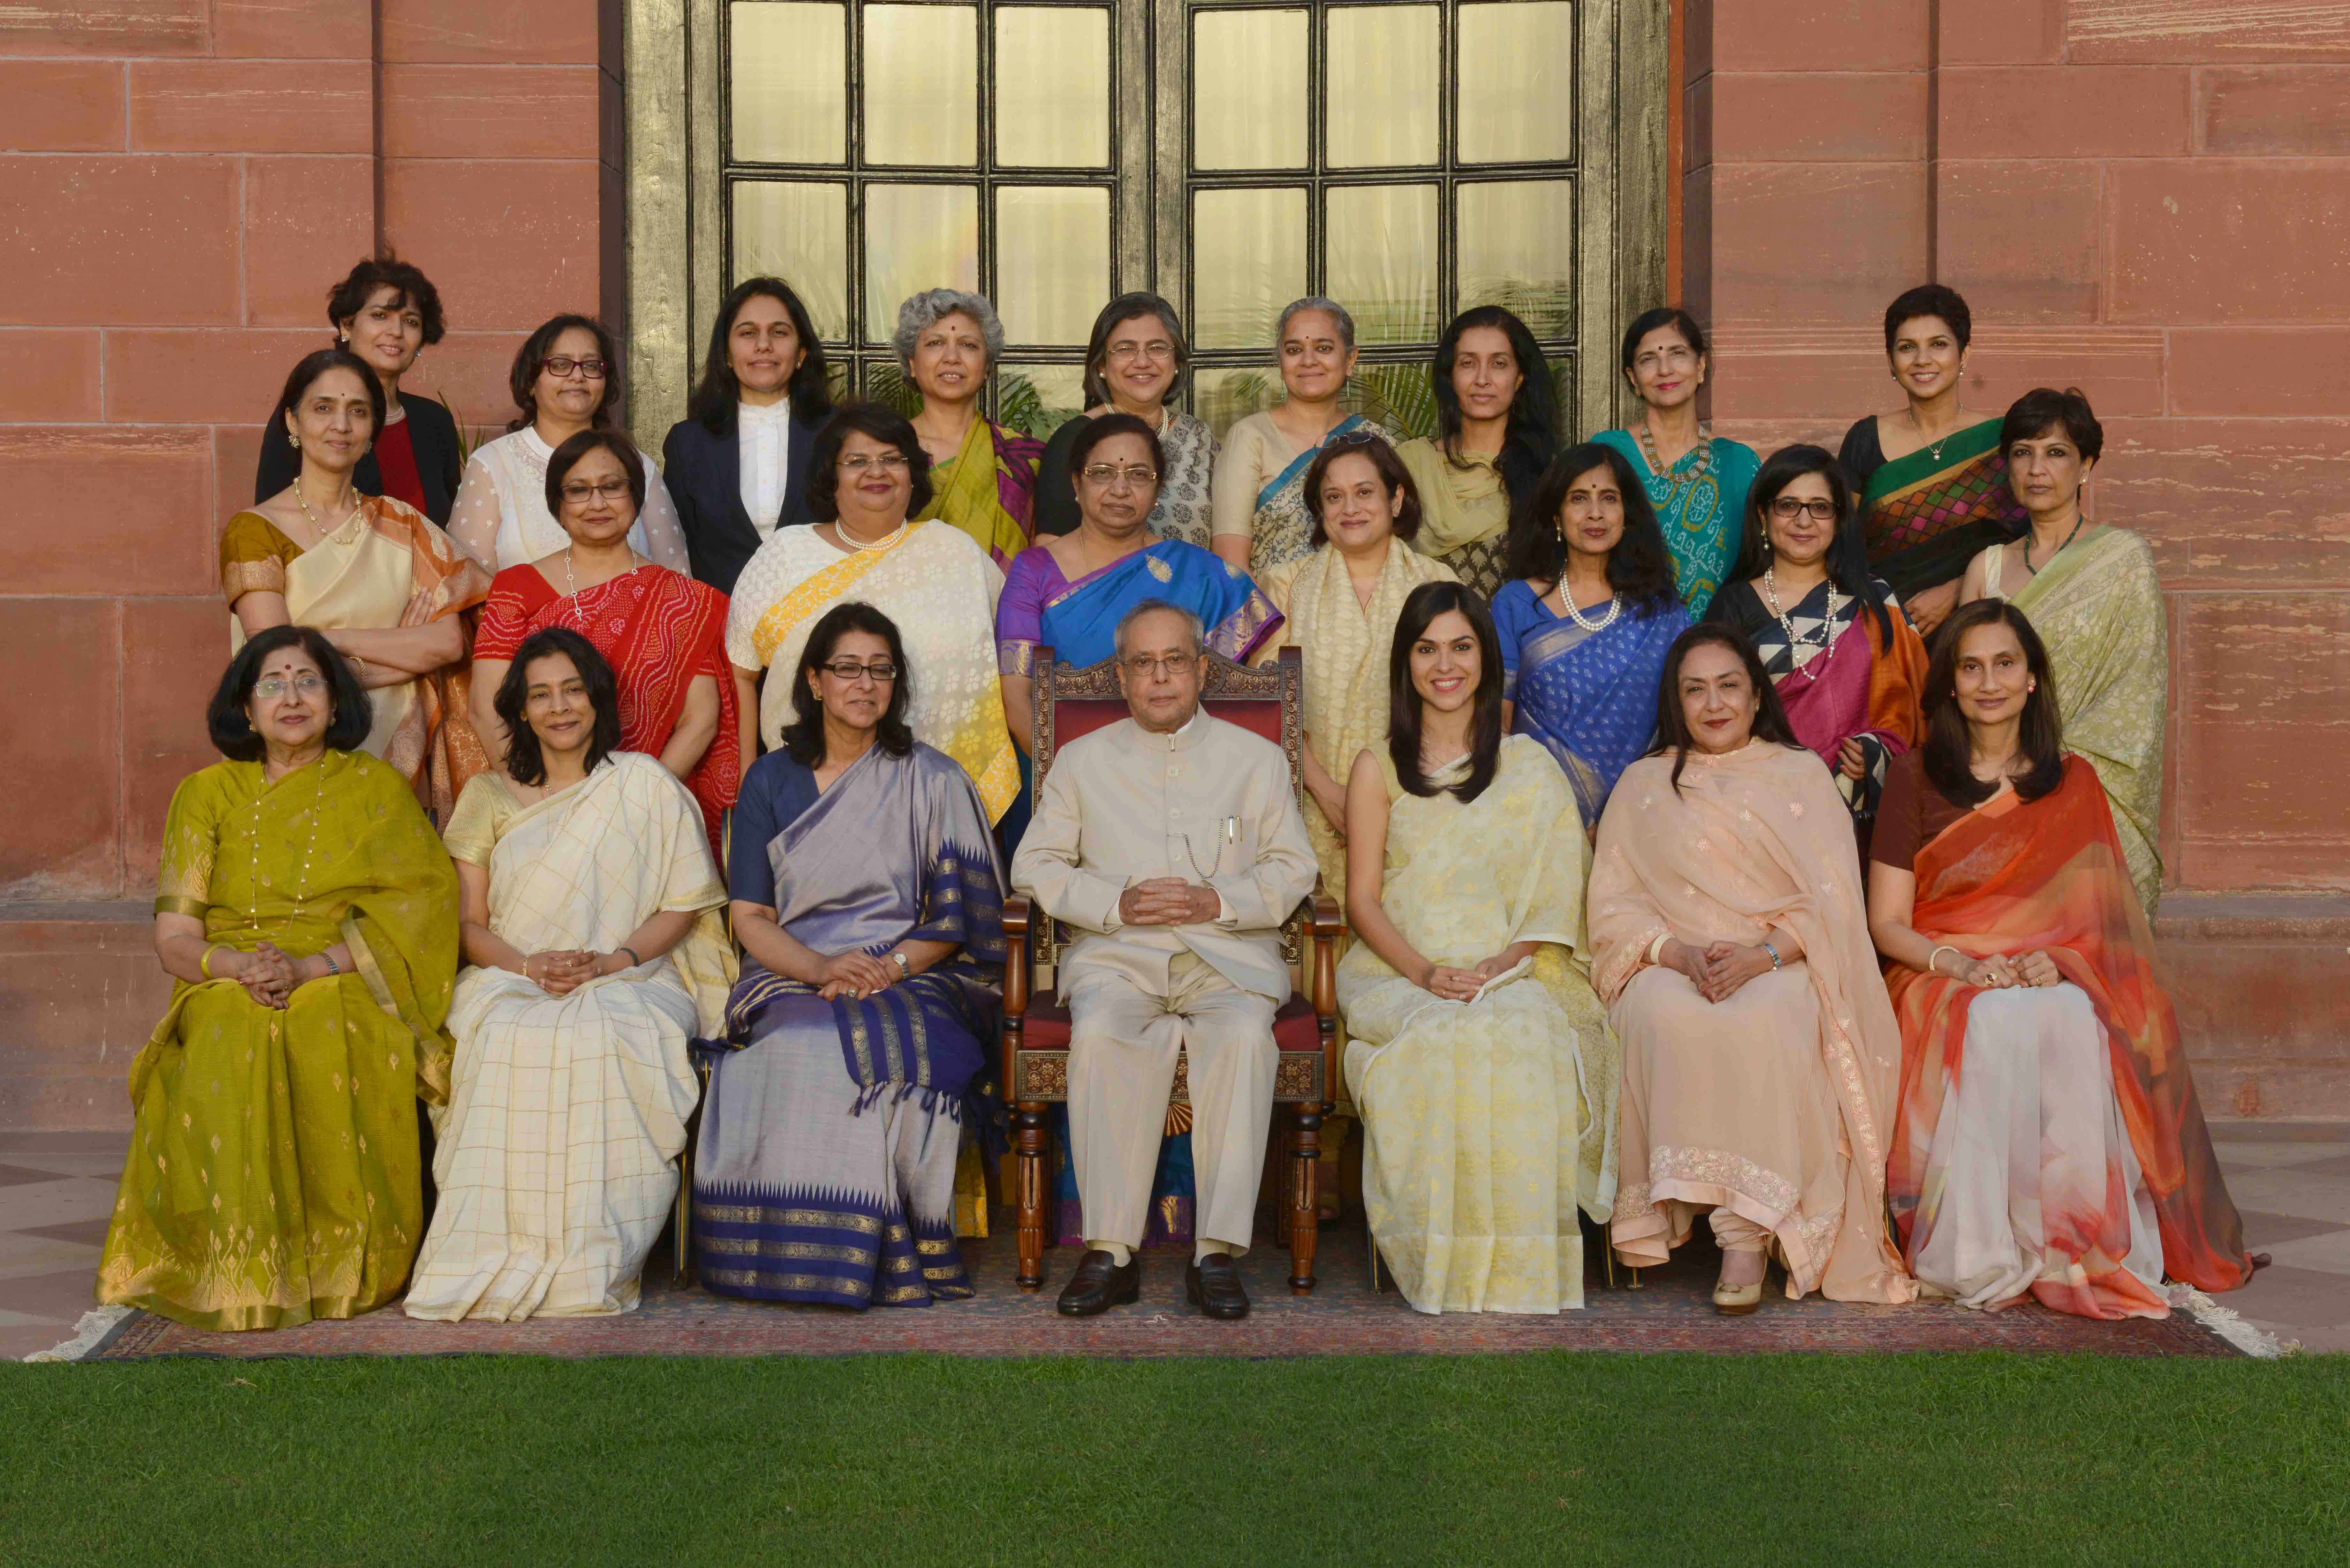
point(273, 1176)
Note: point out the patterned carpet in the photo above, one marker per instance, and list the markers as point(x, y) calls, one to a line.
point(1671, 1311)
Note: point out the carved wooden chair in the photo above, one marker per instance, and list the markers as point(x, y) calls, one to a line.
point(1269, 701)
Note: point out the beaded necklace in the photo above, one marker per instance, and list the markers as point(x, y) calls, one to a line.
point(318, 811)
point(1795, 645)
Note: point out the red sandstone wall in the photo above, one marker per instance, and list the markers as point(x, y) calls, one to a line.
point(179, 182)
point(2150, 199)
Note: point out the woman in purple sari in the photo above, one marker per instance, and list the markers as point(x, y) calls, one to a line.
point(868, 900)
point(1586, 618)
point(1849, 670)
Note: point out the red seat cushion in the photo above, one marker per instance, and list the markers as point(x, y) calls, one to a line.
point(1047, 1025)
point(1075, 716)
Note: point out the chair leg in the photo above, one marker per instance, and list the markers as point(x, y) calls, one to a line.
point(684, 1274)
point(1304, 1218)
point(1028, 1141)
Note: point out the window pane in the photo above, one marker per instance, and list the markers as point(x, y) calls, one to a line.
point(1383, 61)
point(798, 234)
point(787, 76)
point(1379, 260)
point(1517, 82)
point(921, 85)
point(1517, 249)
point(917, 237)
point(1222, 396)
point(1248, 90)
point(1052, 88)
point(1052, 261)
point(1248, 260)
point(1039, 399)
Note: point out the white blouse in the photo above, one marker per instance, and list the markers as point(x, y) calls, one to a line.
point(765, 448)
point(501, 519)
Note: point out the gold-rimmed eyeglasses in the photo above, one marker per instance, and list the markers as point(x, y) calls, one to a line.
point(1109, 473)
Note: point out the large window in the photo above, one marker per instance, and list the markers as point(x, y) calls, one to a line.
point(1407, 157)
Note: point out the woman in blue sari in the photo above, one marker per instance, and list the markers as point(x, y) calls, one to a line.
point(1258, 515)
point(1696, 484)
point(868, 900)
point(1586, 619)
point(1069, 594)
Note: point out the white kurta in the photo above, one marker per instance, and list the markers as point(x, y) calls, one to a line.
point(500, 518)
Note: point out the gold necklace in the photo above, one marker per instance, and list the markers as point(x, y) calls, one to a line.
point(318, 810)
point(312, 518)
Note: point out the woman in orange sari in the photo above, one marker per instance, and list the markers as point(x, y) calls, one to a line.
point(663, 633)
point(2049, 1142)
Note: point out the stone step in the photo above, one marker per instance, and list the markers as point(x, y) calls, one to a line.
point(2261, 981)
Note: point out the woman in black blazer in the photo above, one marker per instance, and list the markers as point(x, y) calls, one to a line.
point(386, 312)
point(737, 466)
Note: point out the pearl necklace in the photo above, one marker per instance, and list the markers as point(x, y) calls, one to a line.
point(883, 543)
point(323, 532)
point(1615, 608)
point(318, 811)
point(1795, 645)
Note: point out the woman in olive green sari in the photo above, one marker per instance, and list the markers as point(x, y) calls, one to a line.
point(309, 913)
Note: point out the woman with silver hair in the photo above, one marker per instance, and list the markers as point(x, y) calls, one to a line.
point(984, 475)
point(1261, 518)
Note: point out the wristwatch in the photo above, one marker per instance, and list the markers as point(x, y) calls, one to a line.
point(905, 971)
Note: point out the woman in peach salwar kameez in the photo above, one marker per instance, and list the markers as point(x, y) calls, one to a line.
point(1731, 945)
point(2049, 1143)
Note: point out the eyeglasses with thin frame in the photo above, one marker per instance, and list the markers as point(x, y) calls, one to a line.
point(882, 462)
point(576, 491)
point(881, 670)
point(273, 687)
point(1150, 666)
point(1125, 353)
point(1786, 508)
point(560, 367)
point(1109, 473)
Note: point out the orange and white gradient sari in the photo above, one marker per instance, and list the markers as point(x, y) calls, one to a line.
point(2049, 1141)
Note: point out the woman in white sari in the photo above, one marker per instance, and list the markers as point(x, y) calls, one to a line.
point(372, 572)
point(1479, 1058)
point(591, 925)
point(871, 475)
point(566, 378)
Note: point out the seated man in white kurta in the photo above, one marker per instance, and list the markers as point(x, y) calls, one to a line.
point(1172, 841)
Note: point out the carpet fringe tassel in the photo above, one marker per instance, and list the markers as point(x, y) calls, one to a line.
point(93, 1327)
point(2229, 1325)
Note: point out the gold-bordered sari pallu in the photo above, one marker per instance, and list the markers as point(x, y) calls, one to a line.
point(273, 1174)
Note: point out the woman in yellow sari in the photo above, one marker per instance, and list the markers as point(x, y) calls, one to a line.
point(309, 918)
point(869, 475)
point(374, 574)
point(1476, 1048)
point(595, 952)
point(2095, 601)
point(982, 476)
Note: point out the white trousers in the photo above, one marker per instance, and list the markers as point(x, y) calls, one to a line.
point(1123, 1041)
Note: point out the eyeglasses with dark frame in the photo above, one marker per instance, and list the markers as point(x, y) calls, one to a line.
point(881, 670)
point(560, 367)
point(576, 491)
point(1785, 508)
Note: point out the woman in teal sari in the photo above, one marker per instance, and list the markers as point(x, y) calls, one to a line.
point(1257, 501)
point(1696, 484)
point(1067, 595)
point(1932, 484)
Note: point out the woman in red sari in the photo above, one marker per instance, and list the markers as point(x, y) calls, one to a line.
point(2048, 1141)
point(662, 632)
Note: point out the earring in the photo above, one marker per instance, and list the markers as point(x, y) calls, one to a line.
point(293, 440)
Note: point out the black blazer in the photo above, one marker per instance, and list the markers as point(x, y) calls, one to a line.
point(705, 475)
point(430, 431)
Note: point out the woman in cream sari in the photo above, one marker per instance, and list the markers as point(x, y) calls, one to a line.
point(591, 919)
point(870, 473)
point(2095, 601)
point(1730, 941)
point(1497, 429)
point(982, 476)
point(1477, 1053)
point(386, 586)
point(308, 918)
point(1260, 519)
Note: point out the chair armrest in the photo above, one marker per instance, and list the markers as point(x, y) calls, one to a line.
point(1326, 925)
point(1016, 912)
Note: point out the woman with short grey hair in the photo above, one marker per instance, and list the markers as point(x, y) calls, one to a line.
point(983, 476)
point(1261, 519)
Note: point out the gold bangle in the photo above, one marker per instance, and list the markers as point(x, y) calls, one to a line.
point(1934, 958)
point(204, 964)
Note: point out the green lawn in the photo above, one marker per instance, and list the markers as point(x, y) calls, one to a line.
point(1722, 1461)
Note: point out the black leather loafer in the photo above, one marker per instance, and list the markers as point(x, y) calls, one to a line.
point(1100, 1285)
point(1214, 1286)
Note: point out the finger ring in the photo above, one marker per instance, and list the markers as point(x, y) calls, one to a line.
point(855, 994)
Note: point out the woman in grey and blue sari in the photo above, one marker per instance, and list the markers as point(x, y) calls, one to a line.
point(868, 900)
